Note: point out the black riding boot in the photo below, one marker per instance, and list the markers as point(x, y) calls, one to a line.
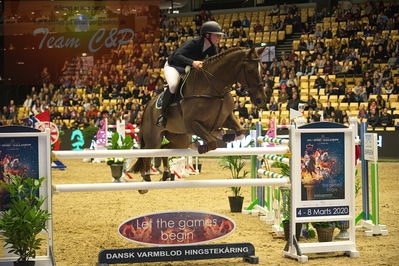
point(166, 101)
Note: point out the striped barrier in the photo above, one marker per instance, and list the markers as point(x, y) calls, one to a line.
point(271, 174)
point(273, 140)
point(275, 158)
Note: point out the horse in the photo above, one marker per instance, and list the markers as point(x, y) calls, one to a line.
point(205, 108)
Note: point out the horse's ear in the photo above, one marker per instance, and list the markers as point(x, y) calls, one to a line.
point(251, 53)
point(260, 50)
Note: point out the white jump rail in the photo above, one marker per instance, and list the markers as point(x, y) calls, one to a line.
point(167, 152)
point(170, 185)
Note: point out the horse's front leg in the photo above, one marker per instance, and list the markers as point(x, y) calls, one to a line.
point(232, 123)
point(203, 133)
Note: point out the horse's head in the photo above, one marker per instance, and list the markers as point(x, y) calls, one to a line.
point(251, 77)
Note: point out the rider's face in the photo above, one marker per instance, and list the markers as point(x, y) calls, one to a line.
point(215, 38)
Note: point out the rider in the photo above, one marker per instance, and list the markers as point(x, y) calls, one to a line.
point(191, 53)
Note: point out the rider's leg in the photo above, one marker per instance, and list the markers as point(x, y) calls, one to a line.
point(172, 77)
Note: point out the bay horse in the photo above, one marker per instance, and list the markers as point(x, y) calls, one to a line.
point(206, 106)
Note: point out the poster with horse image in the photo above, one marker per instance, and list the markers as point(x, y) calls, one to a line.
point(322, 166)
point(18, 156)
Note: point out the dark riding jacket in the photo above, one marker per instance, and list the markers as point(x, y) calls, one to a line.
point(190, 51)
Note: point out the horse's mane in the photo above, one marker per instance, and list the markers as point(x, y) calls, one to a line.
point(222, 54)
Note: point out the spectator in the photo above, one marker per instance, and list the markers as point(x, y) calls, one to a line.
point(302, 45)
point(373, 119)
point(283, 95)
point(319, 82)
point(377, 88)
point(328, 68)
point(381, 104)
point(362, 114)
point(237, 23)
point(243, 111)
point(389, 89)
point(279, 25)
point(312, 116)
point(327, 33)
point(258, 27)
point(393, 60)
point(145, 98)
point(328, 110)
point(275, 10)
point(311, 103)
point(357, 68)
point(246, 23)
point(386, 74)
point(385, 119)
point(294, 102)
point(273, 105)
point(381, 55)
point(396, 87)
point(318, 33)
point(337, 68)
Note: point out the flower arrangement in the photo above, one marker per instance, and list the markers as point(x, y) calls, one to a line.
point(119, 143)
point(114, 160)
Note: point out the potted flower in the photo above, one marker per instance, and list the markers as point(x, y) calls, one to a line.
point(117, 164)
point(325, 230)
point(236, 166)
point(24, 219)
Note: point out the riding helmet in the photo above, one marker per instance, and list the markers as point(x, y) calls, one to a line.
point(211, 27)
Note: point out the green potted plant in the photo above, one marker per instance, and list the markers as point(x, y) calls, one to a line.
point(117, 164)
point(24, 219)
point(286, 205)
point(236, 166)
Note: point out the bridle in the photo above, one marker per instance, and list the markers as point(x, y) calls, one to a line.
point(248, 87)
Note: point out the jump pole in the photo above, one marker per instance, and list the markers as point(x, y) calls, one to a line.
point(167, 152)
point(171, 185)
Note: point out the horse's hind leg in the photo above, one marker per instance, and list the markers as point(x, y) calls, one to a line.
point(166, 173)
point(176, 141)
point(145, 172)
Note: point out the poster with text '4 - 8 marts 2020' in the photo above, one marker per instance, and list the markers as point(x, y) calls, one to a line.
point(18, 156)
point(322, 166)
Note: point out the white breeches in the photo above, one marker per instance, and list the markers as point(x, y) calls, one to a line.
point(172, 77)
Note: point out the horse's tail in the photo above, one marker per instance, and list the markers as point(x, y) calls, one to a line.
point(139, 164)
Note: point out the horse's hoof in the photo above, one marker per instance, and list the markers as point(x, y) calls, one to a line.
point(202, 148)
point(143, 191)
point(229, 137)
point(147, 178)
point(165, 176)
